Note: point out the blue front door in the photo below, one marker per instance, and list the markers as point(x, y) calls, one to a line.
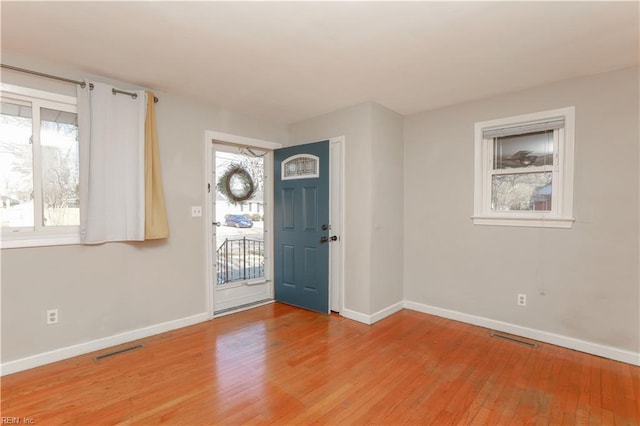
point(301, 225)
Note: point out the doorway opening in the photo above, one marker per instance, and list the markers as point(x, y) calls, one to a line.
point(240, 223)
point(239, 216)
point(240, 227)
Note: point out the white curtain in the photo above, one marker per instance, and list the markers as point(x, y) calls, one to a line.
point(112, 184)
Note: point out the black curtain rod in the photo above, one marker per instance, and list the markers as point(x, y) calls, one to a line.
point(68, 80)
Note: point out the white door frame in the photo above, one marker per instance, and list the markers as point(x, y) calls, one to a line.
point(336, 212)
point(212, 137)
point(336, 219)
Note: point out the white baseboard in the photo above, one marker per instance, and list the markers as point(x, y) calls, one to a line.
point(95, 345)
point(388, 311)
point(617, 354)
point(610, 352)
point(370, 319)
point(356, 316)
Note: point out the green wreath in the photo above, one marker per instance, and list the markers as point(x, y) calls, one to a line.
point(247, 189)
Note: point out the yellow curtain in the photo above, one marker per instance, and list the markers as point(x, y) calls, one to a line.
point(156, 225)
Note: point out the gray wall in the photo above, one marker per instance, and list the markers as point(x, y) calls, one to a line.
point(387, 208)
point(104, 290)
point(373, 200)
point(581, 282)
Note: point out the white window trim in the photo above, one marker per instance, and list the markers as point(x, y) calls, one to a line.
point(561, 215)
point(42, 236)
point(12, 90)
point(40, 239)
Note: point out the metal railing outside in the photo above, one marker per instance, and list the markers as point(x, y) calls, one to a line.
point(240, 259)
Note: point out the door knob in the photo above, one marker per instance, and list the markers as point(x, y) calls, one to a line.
point(325, 227)
point(215, 223)
point(333, 238)
point(323, 239)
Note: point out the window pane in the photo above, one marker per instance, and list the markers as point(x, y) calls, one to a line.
point(521, 192)
point(526, 150)
point(16, 166)
point(240, 248)
point(60, 171)
point(301, 166)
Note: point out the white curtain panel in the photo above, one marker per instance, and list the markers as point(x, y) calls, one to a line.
point(113, 185)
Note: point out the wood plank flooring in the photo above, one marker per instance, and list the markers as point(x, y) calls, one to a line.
point(280, 365)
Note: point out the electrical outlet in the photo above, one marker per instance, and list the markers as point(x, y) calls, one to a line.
point(196, 211)
point(522, 299)
point(52, 316)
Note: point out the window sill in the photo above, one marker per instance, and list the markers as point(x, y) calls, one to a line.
point(39, 241)
point(536, 222)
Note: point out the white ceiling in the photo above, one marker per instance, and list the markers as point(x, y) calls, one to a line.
point(288, 61)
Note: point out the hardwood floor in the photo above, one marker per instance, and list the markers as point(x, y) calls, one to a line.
point(282, 365)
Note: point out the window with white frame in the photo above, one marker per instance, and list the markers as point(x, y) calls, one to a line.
point(39, 168)
point(524, 170)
